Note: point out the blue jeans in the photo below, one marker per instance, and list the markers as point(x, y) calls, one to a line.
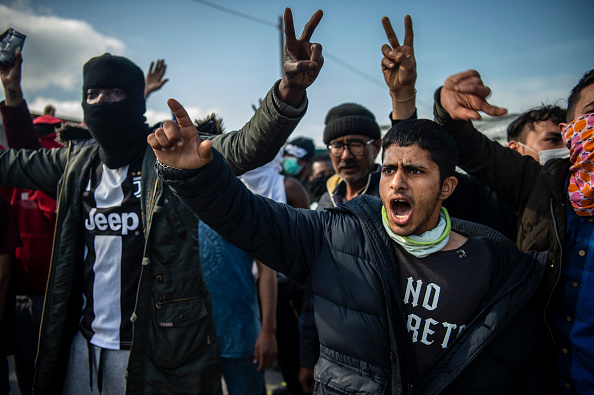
point(242, 377)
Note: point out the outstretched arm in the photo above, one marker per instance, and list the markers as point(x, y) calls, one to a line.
point(400, 69)
point(258, 226)
point(153, 81)
point(508, 173)
point(302, 60)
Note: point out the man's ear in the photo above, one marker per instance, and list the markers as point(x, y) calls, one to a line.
point(449, 184)
point(562, 126)
point(377, 146)
point(513, 144)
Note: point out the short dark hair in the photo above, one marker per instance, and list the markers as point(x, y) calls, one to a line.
point(429, 136)
point(574, 96)
point(517, 129)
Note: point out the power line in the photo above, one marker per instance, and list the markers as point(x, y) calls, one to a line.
point(278, 26)
point(236, 13)
point(353, 69)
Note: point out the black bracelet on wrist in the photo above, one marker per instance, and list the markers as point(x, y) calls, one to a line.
point(166, 167)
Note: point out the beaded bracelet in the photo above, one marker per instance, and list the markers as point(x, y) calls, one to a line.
point(405, 100)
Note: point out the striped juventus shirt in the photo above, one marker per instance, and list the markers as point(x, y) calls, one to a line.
point(114, 243)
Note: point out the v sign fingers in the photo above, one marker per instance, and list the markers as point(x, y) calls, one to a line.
point(302, 59)
point(311, 25)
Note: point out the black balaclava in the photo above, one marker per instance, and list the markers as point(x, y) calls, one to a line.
point(120, 128)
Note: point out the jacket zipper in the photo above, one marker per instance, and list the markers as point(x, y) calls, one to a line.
point(149, 209)
point(558, 237)
point(160, 303)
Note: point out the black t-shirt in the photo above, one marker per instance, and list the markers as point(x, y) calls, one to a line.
point(441, 294)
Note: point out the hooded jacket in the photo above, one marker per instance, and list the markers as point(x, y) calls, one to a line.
point(364, 345)
point(180, 357)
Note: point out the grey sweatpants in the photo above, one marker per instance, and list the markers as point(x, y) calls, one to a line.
point(114, 365)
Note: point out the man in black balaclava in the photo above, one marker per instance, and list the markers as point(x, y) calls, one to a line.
point(114, 106)
point(126, 308)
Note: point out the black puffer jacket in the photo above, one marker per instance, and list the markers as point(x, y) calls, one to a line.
point(364, 344)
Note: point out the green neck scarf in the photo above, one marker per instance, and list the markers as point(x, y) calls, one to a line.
point(429, 242)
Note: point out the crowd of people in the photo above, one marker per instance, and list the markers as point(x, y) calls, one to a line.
point(177, 257)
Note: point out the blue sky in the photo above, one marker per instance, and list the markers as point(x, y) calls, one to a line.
point(528, 52)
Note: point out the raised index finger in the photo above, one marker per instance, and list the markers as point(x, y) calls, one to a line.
point(311, 25)
point(289, 27)
point(183, 119)
point(390, 33)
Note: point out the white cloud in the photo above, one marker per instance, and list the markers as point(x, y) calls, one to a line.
point(521, 95)
point(56, 48)
point(70, 110)
point(54, 53)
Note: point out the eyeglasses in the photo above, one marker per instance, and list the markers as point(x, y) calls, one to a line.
point(356, 148)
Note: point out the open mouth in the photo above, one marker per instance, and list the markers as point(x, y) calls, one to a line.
point(401, 210)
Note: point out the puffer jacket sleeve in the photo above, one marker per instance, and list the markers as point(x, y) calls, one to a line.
point(30, 169)
point(286, 239)
point(511, 175)
point(260, 140)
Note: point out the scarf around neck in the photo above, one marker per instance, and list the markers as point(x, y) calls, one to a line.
point(578, 136)
point(427, 243)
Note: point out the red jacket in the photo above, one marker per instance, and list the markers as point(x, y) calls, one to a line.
point(35, 210)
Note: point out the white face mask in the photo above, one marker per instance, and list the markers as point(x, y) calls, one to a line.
point(548, 154)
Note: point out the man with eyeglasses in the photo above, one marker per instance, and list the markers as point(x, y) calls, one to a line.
point(353, 140)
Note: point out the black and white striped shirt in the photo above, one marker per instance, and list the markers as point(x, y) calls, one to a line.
point(114, 243)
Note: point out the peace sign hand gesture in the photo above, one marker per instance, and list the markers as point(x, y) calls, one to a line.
point(302, 59)
point(398, 64)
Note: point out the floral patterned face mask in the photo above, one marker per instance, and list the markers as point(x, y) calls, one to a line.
point(578, 136)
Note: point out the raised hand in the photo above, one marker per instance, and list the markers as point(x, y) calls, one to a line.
point(463, 95)
point(178, 144)
point(302, 59)
point(153, 80)
point(398, 64)
point(11, 80)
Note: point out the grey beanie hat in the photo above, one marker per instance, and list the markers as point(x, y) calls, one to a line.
point(350, 118)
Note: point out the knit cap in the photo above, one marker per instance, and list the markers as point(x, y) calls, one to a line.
point(350, 118)
point(111, 71)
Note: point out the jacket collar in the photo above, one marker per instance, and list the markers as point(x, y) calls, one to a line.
point(336, 186)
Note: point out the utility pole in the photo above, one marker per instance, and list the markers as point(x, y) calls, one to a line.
point(282, 41)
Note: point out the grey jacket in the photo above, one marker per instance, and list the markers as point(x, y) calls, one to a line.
point(182, 357)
